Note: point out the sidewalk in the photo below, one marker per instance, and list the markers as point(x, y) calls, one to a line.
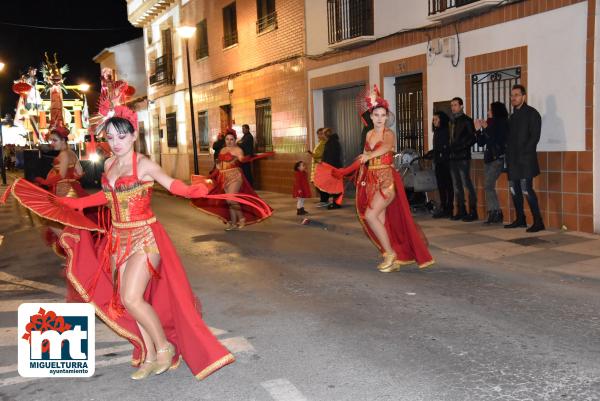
point(562, 252)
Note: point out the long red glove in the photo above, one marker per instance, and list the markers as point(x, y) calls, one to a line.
point(55, 178)
point(199, 190)
point(97, 199)
point(341, 172)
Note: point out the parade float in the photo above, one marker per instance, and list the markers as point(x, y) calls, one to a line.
point(49, 103)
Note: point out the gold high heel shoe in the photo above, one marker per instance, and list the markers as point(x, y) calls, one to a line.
point(145, 370)
point(231, 227)
point(241, 223)
point(388, 261)
point(161, 367)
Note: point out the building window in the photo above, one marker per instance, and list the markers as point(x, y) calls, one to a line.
point(488, 87)
point(438, 6)
point(171, 130)
point(201, 40)
point(348, 19)
point(163, 65)
point(203, 129)
point(264, 139)
point(266, 19)
point(230, 35)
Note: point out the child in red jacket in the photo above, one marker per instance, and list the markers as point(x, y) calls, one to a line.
point(301, 187)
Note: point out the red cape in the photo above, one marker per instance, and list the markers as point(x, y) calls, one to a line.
point(170, 295)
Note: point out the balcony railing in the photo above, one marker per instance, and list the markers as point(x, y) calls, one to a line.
point(438, 6)
point(267, 23)
point(349, 19)
point(230, 39)
point(163, 71)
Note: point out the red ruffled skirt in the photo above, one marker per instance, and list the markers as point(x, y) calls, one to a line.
point(406, 237)
point(169, 293)
point(220, 207)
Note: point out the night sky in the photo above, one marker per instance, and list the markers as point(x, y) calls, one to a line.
point(21, 47)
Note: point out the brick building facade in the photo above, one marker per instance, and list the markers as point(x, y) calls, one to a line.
point(247, 67)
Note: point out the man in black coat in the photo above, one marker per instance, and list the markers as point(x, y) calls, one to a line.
point(333, 155)
point(462, 137)
point(441, 155)
point(525, 125)
point(247, 145)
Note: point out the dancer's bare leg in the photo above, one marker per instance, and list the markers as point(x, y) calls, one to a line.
point(375, 216)
point(235, 210)
point(134, 280)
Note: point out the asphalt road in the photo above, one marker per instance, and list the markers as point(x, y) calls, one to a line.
point(309, 318)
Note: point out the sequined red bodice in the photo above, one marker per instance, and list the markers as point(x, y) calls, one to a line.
point(129, 199)
point(70, 175)
point(385, 159)
point(226, 161)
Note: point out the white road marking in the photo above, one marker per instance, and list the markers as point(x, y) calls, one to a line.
point(217, 332)
point(237, 345)
point(33, 284)
point(283, 390)
point(13, 304)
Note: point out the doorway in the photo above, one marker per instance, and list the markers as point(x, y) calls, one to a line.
point(409, 113)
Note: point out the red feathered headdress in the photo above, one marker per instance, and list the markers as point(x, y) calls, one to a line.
point(61, 131)
point(231, 131)
point(375, 100)
point(111, 103)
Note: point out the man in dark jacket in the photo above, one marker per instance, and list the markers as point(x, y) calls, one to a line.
point(441, 155)
point(462, 137)
point(247, 145)
point(333, 155)
point(525, 125)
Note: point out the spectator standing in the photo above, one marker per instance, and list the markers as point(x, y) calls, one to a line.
point(247, 145)
point(332, 154)
point(317, 156)
point(441, 160)
point(525, 125)
point(462, 137)
point(492, 133)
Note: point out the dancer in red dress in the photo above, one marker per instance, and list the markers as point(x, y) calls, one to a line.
point(381, 201)
point(133, 275)
point(62, 180)
point(228, 178)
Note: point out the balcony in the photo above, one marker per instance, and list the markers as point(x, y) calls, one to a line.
point(349, 22)
point(163, 74)
point(267, 23)
point(444, 10)
point(140, 12)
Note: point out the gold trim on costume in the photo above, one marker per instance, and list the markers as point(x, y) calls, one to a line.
point(229, 358)
point(85, 296)
point(133, 224)
point(378, 166)
point(47, 218)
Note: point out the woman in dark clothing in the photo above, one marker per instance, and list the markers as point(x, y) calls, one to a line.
point(441, 160)
point(493, 133)
point(333, 155)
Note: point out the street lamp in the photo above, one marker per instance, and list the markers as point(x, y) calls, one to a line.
point(186, 32)
point(2, 167)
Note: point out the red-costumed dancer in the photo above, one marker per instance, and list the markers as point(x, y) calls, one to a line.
point(62, 180)
point(228, 178)
point(133, 276)
point(381, 202)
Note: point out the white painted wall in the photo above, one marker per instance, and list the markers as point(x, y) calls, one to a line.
point(130, 64)
point(596, 153)
point(389, 16)
point(556, 69)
